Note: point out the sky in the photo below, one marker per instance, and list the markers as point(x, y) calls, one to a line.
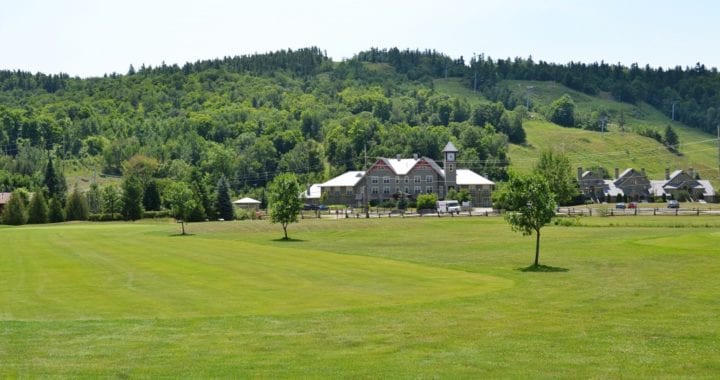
point(90, 38)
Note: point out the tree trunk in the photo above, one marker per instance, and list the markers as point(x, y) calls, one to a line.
point(285, 230)
point(182, 223)
point(537, 247)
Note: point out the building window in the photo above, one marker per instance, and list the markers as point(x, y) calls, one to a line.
point(451, 167)
point(417, 179)
point(336, 192)
point(397, 180)
point(386, 190)
point(428, 178)
point(418, 189)
point(407, 190)
point(374, 180)
point(407, 179)
point(349, 191)
point(428, 189)
point(397, 189)
point(374, 190)
point(386, 180)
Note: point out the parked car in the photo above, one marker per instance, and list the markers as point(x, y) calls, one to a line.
point(620, 205)
point(322, 208)
point(308, 207)
point(632, 205)
point(673, 204)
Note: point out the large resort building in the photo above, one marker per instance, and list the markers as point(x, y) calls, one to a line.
point(395, 178)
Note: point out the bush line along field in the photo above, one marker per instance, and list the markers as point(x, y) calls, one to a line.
point(431, 297)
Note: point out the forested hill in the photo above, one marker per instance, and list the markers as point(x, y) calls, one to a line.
point(248, 118)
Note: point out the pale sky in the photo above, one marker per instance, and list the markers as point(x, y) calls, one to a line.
point(93, 37)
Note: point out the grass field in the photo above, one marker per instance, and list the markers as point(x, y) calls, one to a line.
point(427, 297)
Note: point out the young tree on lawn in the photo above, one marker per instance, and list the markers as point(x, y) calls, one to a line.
point(531, 205)
point(182, 202)
point(284, 200)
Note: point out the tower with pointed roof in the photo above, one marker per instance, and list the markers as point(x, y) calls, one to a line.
point(449, 165)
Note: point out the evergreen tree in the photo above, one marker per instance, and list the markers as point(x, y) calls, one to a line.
point(38, 210)
point(51, 180)
point(151, 196)
point(224, 206)
point(671, 138)
point(56, 214)
point(76, 207)
point(132, 199)
point(14, 213)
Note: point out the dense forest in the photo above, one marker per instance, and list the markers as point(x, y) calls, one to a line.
point(245, 119)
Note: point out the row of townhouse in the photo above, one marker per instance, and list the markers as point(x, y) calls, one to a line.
point(636, 186)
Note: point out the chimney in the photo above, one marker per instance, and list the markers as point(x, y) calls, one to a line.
point(667, 174)
point(397, 156)
point(415, 156)
point(692, 173)
point(617, 173)
point(580, 171)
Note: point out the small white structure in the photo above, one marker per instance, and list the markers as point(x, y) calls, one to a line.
point(312, 194)
point(247, 203)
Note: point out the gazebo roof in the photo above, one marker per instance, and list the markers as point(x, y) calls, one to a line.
point(246, 201)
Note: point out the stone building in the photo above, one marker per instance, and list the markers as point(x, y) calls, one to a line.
point(394, 178)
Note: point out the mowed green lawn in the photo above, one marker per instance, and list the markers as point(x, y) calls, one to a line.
point(427, 297)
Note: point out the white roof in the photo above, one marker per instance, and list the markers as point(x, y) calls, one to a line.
point(709, 190)
point(246, 201)
point(403, 165)
point(656, 187)
point(313, 192)
point(469, 177)
point(348, 179)
point(610, 188)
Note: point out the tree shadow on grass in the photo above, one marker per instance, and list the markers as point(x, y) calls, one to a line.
point(181, 235)
point(288, 240)
point(543, 268)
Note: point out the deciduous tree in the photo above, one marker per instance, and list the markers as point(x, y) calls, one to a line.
point(284, 200)
point(531, 205)
point(182, 202)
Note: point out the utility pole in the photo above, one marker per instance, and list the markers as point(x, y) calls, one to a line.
point(367, 183)
point(673, 111)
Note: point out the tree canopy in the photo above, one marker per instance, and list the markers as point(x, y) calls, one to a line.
point(285, 202)
point(531, 205)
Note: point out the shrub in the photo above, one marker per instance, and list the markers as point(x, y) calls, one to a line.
point(38, 211)
point(157, 214)
point(426, 201)
point(14, 213)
